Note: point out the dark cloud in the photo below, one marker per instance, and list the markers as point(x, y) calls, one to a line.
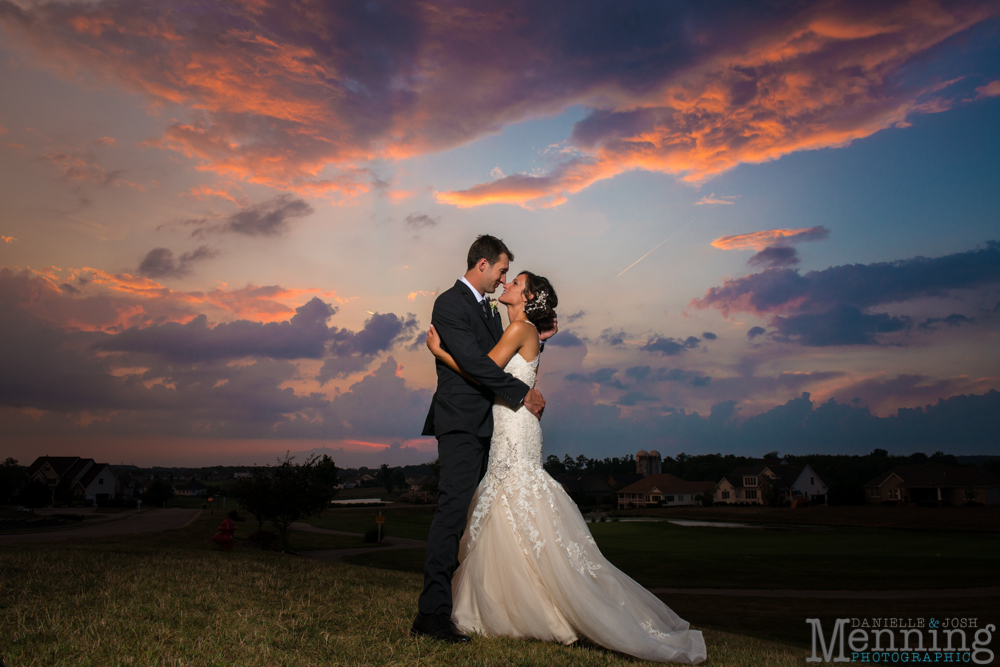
point(565, 339)
point(775, 256)
point(829, 307)
point(604, 377)
point(756, 331)
point(960, 424)
point(642, 374)
point(69, 288)
point(708, 335)
point(305, 336)
point(859, 285)
point(612, 337)
point(352, 354)
point(268, 218)
point(632, 398)
point(420, 220)
point(84, 392)
point(953, 320)
point(160, 262)
point(580, 313)
point(670, 347)
point(841, 325)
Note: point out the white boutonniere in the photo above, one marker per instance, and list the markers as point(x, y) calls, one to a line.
point(494, 306)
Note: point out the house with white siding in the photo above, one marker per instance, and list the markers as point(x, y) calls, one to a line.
point(791, 482)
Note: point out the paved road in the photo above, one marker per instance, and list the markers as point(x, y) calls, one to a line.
point(128, 523)
point(338, 554)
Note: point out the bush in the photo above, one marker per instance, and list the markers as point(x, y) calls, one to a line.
point(265, 539)
point(371, 537)
point(235, 516)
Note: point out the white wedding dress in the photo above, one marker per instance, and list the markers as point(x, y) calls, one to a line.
point(529, 567)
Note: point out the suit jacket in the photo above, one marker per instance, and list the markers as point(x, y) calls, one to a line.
point(468, 335)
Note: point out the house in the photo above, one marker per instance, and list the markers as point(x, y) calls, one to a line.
point(191, 489)
point(933, 484)
point(648, 463)
point(663, 490)
point(132, 485)
point(86, 479)
point(620, 480)
point(791, 482)
point(98, 483)
point(587, 489)
point(416, 481)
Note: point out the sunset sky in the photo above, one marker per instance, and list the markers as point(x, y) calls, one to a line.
point(224, 223)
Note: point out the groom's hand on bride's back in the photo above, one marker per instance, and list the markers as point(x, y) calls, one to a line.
point(534, 402)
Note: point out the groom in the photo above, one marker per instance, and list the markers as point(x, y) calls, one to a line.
point(461, 416)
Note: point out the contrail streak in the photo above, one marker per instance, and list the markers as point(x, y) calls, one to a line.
point(657, 246)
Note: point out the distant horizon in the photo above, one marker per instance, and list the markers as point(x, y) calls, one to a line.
point(375, 466)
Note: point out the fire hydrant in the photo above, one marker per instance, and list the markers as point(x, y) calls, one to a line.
point(224, 538)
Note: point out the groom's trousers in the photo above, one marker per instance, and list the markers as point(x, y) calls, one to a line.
point(463, 458)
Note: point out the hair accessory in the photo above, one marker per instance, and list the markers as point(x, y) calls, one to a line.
point(538, 303)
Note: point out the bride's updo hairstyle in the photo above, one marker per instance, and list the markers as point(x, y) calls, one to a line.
point(541, 308)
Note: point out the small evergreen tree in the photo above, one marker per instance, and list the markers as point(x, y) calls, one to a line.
point(386, 476)
point(11, 479)
point(35, 494)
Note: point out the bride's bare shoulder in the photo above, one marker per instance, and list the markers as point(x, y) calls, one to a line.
point(521, 330)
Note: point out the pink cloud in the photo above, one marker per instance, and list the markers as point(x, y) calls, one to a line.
point(769, 237)
point(94, 300)
point(992, 89)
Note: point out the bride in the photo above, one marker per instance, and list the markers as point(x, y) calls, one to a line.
point(528, 565)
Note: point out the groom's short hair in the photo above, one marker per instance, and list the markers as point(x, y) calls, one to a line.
point(489, 248)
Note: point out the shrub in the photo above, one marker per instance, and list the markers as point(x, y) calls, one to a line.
point(372, 535)
point(265, 539)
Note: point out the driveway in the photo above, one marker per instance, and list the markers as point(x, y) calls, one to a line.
point(127, 523)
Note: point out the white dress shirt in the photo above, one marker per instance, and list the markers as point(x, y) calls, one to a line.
point(479, 297)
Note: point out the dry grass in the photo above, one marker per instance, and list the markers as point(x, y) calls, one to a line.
point(171, 599)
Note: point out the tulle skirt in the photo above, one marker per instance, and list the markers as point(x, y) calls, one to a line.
point(530, 568)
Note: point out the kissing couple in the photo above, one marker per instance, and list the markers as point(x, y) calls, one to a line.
point(526, 563)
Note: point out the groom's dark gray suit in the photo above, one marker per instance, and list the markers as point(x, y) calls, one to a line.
point(461, 416)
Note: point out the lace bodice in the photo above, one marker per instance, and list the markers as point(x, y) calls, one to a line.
point(517, 435)
point(515, 476)
point(525, 371)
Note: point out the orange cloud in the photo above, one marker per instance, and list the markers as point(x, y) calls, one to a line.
point(203, 192)
point(818, 81)
point(712, 199)
point(412, 296)
point(7, 239)
point(992, 89)
point(290, 96)
point(94, 300)
point(760, 240)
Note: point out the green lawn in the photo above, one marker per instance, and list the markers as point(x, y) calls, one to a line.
point(174, 599)
point(665, 555)
point(410, 522)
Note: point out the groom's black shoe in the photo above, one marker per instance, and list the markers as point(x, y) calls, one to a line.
point(438, 626)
